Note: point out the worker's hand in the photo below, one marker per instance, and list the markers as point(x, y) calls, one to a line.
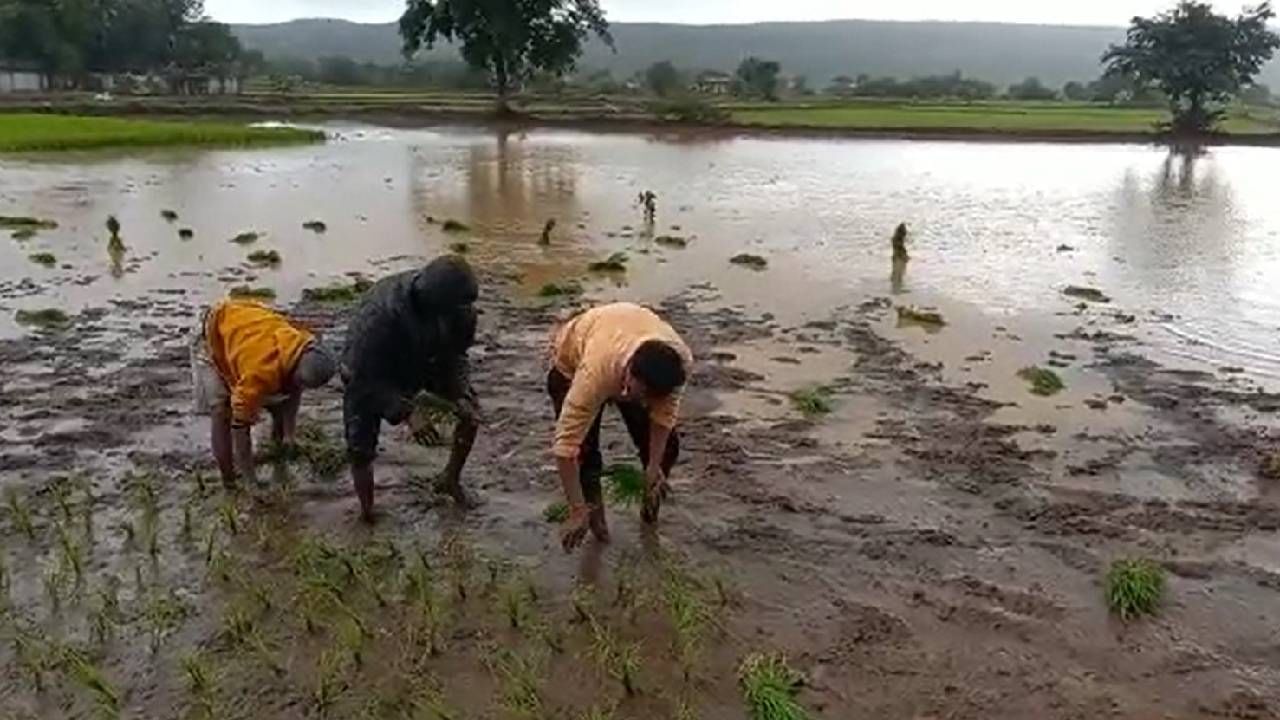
point(423, 430)
point(656, 489)
point(574, 530)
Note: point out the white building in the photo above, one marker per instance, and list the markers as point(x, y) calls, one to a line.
point(20, 77)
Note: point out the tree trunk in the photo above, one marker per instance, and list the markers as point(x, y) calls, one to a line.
point(503, 81)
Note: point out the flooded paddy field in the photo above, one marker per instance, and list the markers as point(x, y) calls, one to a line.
point(930, 541)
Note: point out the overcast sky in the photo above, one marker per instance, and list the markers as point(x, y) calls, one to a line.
point(1087, 12)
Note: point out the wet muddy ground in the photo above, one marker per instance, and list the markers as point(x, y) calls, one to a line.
point(932, 548)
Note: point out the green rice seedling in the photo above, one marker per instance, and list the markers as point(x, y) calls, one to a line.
point(747, 260)
point(139, 582)
point(928, 319)
point(514, 602)
point(455, 226)
point(265, 258)
point(1135, 587)
point(352, 639)
point(460, 559)
point(583, 601)
point(615, 263)
point(24, 234)
point(339, 294)
point(54, 582)
point(569, 288)
point(246, 292)
point(163, 615)
point(201, 483)
point(88, 676)
point(186, 233)
point(201, 684)
point(150, 526)
point(519, 680)
point(43, 258)
point(19, 513)
point(20, 221)
point(556, 513)
point(685, 710)
point(210, 545)
point(71, 554)
point(169, 215)
point(32, 655)
point(241, 629)
point(246, 238)
point(186, 533)
point(626, 484)
point(769, 688)
point(60, 489)
point(315, 226)
point(5, 583)
point(429, 703)
point(619, 660)
point(331, 683)
point(689, 616)
point(813, 401)
point(230, 516)
point(598, 712)
point(550, 633)
point(1044, 382)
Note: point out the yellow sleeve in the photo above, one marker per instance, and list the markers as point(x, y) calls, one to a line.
point(247, 397)
point(587, 394)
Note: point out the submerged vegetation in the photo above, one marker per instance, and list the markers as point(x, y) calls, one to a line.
point(247, 292)
point(246, 238)
point(812, 402)
point(1044, 381)
point(21, 132)
point(626, 484)
point(47, 318)
point(339, 293)
point(921, 317)
point(45, 259)
point(568, 288)
point(265, 258)
point(22, 222)
point(747, 260)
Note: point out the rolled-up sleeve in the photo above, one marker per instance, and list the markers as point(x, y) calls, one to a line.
point(587, 395)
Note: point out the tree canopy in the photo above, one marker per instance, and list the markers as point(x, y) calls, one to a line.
point(68, 38)
point(662, 78)
point(510, 39)
point(759, 77)
point(1199, 60)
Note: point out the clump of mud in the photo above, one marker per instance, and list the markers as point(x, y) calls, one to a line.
point(1087, 294)
point(747, 260)
point(47, 318)
point(615, 263)
point(265, 258)
point(1044, 381)
point(246, 238)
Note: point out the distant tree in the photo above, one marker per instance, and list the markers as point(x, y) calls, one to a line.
point(1031, 89)
point(662, 78)
point(510, 39)
point(1256, 94)
point(800, 85)
point(1198, 59)
point(1076, 91)
point(339, 70)
point(759, 77)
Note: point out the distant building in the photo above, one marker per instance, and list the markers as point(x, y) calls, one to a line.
point(713, 82)
point(17, 76)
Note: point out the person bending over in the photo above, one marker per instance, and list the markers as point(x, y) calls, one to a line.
point(625, 355)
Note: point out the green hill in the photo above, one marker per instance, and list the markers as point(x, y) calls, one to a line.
point(1000, 53)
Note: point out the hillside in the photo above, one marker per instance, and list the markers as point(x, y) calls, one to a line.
point(1001, 53)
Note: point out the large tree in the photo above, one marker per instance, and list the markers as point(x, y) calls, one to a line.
point(1196, 58)
point(759, 77)
point(510, 39)
point(662, 78)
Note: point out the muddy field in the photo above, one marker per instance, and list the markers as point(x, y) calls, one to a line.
point(933, 547)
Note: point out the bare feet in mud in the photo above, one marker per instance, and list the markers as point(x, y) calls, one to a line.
point(574, 530)
point(452, 487)
point(653, 503)
point(599, 524)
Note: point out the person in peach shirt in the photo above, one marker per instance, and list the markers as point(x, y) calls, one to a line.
point(625, 355)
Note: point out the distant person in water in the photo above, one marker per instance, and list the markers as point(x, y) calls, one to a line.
point(246, 357)
point(411, 334)
point(627, 356)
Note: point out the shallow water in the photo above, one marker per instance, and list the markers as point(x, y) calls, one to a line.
point(1190, 246)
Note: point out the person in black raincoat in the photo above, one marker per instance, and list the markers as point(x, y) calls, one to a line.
point(410, 334)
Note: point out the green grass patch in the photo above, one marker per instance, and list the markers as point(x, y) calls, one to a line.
point(747, 260)
point(265, 258)
point(769, 688)
point(626, 484)
point(246, 238)
point(995, 116)
point(812, 401)
point(35, 132)
point(48, 318)
point(556, 512)
point(338, 294)
point(1135, 588)
point(1044, 381)
point(45, 259)
point(246, 292)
